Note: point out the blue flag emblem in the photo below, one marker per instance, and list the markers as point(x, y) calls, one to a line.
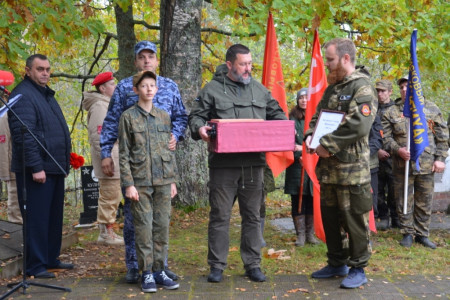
point(414, 107)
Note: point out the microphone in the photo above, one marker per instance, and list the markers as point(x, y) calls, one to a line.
point(6, 78)
point(4, 90)
point(10, 104)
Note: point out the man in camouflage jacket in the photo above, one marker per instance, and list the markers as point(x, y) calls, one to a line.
point(343, 167)
point(417, 219)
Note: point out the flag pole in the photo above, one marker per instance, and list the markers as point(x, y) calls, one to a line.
point(405, 190)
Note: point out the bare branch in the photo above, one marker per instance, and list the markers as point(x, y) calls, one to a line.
point(215, 30)
point(145, 24)
point(211, 50)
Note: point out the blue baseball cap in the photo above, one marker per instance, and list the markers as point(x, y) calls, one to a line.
point(144, 45)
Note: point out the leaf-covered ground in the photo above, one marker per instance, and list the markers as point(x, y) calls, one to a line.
point(188, 248)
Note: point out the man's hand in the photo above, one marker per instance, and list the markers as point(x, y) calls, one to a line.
point(203, 132)
point(108, 166)
point(308, 144)
point(322, 152)
point(404, 154)
point(172, 142)
point(39, 177)
point(131, 193)
point(383, 155)
point(173, 190)
point(438, 167)
point(298, 148)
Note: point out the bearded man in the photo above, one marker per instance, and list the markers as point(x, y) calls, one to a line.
point(343, 168)
point(234, 94)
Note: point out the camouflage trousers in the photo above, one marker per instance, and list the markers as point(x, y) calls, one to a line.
point(151, 217)
point(420, 196)
point(131, 261)
point(346, 208)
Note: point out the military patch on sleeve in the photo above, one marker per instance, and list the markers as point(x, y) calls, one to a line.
point(365, 110)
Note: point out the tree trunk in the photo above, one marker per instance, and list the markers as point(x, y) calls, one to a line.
point(180, 57)
point(126, 41)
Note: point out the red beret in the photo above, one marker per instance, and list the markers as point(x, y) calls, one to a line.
point(102, 78)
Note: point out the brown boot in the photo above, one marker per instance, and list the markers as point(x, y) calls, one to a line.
point(299, 223)
point(310, 238)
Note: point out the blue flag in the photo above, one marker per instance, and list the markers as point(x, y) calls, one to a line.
point(414, 107)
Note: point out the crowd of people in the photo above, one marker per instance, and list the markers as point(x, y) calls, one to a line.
point(134, 129)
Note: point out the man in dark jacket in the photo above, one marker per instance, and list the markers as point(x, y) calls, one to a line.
point(386, 202)
point(44, 180)
point(233, 94)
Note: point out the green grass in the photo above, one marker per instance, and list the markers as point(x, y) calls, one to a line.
point(188, 247)
point(188, 244)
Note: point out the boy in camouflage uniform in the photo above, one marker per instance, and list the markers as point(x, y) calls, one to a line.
point(420, 182)
point(343, 167)
point(148, 172)
point(167, 98)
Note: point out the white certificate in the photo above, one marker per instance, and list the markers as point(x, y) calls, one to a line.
point(327, 122)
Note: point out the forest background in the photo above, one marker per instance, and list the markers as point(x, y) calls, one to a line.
point(84, 38)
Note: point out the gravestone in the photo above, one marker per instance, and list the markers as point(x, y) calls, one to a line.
point(90, 189)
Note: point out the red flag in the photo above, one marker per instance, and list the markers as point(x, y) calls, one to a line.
point(272, 79)
point(317, 86)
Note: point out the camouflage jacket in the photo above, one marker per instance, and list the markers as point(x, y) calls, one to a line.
point(394, 126)
point(223, 98)
point(348, 144)
point(167, 98)
point(144, 155)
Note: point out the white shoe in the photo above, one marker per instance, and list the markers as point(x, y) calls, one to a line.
point(108, 236)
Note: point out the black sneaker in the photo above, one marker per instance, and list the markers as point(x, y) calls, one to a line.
point(256, 275)
point(407, 240)
point(163, 280)
point(382, 225)
point(171, 274)
point(215, 275)
point(132, 276)
point(148, 284)
point(425, 242)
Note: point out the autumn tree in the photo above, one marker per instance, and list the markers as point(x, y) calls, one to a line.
point(85, 37)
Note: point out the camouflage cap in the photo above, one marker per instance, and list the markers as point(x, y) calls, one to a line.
point(144, 45)
point(138, 77)
point(302, 92)
point(383, 85)
point(405, 78)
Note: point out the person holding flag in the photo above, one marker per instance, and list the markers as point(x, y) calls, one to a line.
point(343, 167)
point(416, 131)
point(416, 221)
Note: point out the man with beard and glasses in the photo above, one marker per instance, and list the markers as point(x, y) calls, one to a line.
point(234, 94)
point(343, 168)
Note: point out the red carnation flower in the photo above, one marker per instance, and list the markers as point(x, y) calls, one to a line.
point(76, 161)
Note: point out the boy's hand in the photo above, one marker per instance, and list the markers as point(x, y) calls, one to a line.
point(131, 193)
point(172, 143)
point(173, 190)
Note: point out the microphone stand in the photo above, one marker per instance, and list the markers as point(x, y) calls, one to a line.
point(26, 283)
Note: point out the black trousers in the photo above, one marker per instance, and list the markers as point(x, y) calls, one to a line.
point(225, 184)
point(44, 209)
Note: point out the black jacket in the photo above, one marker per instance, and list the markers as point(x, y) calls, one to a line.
point(41, 113)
